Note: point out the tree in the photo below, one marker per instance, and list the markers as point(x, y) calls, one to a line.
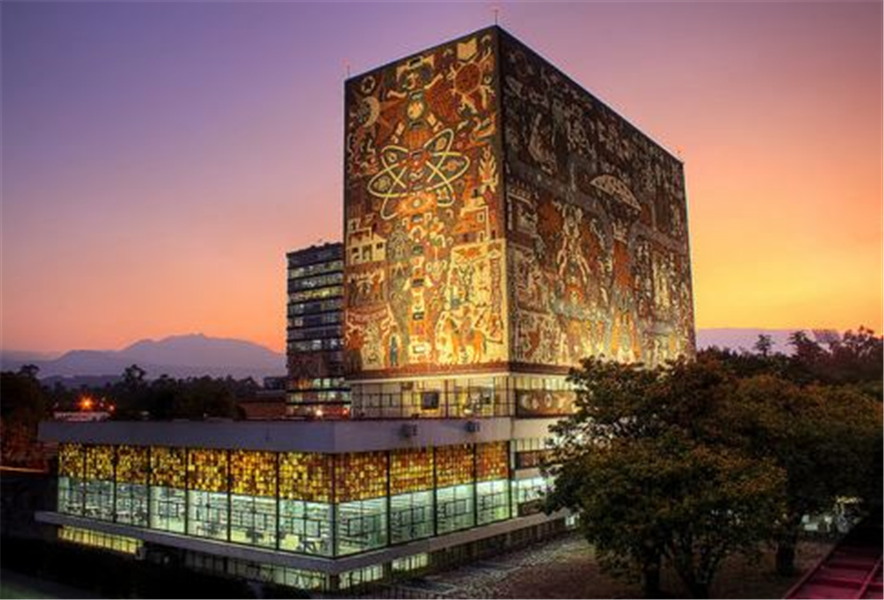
point(764, 345)
point(645, 460)
point(30, 370)
point(23, 404)
point(133, 377)
point(206, 397)
point(822, 437)
point(610, 394)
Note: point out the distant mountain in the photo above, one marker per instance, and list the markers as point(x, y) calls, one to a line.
point(196, 354)
point(24, 356)
point(201, 351)
point(177, 356)
point(745, 339)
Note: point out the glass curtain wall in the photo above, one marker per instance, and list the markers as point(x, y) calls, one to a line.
point(411, 494)
point(311, 503)
point(207, 489)
point(361, 495)
point(492, 487)
point(253, 490)
point(168, 489)
point(71, 474)
point(455, 492)
point(305, 509)
point(99, 483)
point(132, 500)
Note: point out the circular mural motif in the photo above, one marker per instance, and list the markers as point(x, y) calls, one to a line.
point(430, 167)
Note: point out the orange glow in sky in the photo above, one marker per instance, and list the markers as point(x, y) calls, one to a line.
point(160, 159)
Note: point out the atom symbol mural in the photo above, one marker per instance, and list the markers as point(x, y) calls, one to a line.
point(431, 167)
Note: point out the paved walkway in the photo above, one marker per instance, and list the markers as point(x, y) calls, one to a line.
point(489, 578)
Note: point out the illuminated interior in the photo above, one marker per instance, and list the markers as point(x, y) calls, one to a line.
point(305, 503)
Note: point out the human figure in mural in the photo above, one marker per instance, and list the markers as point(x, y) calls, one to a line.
point(394, 349)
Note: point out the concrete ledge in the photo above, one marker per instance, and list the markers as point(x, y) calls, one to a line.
point(304, 436)
point(332, 566)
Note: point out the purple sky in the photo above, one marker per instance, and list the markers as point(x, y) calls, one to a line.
point(160, 158)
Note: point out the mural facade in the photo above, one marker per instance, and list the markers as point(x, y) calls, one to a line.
point(425, 274)
point(597, 226)
point(500, 218)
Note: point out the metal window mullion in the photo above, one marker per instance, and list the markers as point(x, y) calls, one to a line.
point(229, 496)
point(187, 490)
point(389, 503)
point(149, 487)
point(114, 484)
point(83, 483)
point(509, 480)
point(475, 485)
point(277, 501)
point(333, 508)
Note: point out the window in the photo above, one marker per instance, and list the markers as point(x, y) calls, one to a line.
point(99, 499)
point(105, 541)
point(131, 504)
point(71, 469)
point(410, 563)
point(454, 508)
point(411, 516)
point(493, 501)
point(207, 514)
point(528, 495)
point(361, 525)
point(167, 509)
point(253, 520)
point(100, 483)
point(305, 527)
point(429, 400)
point(70, 495)
point(132, 497)
point(361, 576)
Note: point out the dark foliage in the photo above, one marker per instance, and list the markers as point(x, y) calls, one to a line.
point(689, 462)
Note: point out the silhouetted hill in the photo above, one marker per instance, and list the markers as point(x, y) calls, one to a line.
point(201, 351)
point(196, 354)
point(177, 356)
point(737, 338)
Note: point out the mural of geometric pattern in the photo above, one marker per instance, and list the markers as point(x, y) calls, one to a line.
point(424, 283)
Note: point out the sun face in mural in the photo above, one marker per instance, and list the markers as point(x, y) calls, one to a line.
point(470, 78)
point(405, 173)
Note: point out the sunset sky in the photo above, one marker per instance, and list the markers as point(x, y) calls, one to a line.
point(159, 159)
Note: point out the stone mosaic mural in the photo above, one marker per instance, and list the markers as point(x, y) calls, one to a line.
point(497, 216)
point(424, 252)
point(597, 227)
